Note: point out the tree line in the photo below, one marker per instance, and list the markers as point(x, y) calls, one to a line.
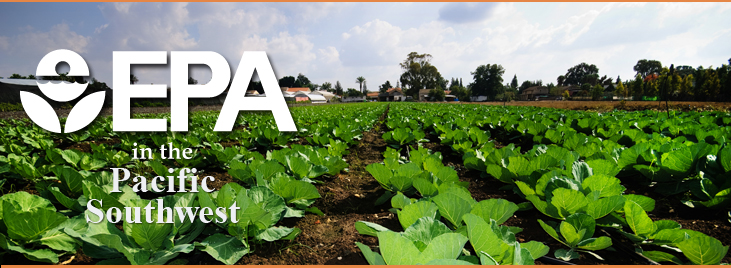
point(652, 81)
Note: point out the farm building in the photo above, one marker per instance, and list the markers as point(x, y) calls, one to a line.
point(534, 93)
point(328, 96)
point(371, 96)
point(296, 96)
point(317, 98)
point(392, 94)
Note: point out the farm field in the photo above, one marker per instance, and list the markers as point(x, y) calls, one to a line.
point(685, 106)
point(373, 183)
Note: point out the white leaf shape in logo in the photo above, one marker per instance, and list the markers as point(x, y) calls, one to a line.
point(62, 92)
point(84, 112)
point(41, 112)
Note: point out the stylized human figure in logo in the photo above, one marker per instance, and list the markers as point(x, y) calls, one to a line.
point(41, 111)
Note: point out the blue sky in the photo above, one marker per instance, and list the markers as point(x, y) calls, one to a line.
point(341, 41)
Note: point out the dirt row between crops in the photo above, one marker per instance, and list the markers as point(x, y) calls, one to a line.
point(346, 198)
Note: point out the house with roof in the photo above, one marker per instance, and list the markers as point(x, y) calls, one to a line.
point(296, 93)
point(392, 94)
point(534, 93)
point(372, 96)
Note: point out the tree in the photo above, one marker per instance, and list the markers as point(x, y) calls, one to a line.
point(287, 81)
point(442, 83)
point(352, 92)
point(487, 80)
point(460, 92)
point(16, 76)
point(436, 95)
point(313, 87)
point(555, 91)
point(577, 75)
point(192, 81)
point(418, 73)
point(699, 78)
point(133, 79)
point(561, 80)
point(338, 88)
point(585, 89)
point(256, 85)
point(302, 81)
point(592, 79)
point(651, 88)
point(647, 67)
point(528, 83)
point(711, 84)
point(637, 87)
point(514, 83)
point(95, 86)
point(686, 87)
point(621, 90)
point(326, 86)
point(383, 88)
point(684, 70)
point(360, 80)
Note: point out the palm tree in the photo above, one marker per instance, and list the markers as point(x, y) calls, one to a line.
point(133, 79)
point(360, 80)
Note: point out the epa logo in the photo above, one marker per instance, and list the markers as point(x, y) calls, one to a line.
point(41, 111)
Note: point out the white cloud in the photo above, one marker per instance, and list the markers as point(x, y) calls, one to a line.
point(341, 41)
point(329, 54)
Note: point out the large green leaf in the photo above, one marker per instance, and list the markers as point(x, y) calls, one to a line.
point(381, 173)
point(446, 246)
point(536, 249)
point(41, 255)
point(602, 207)
point(294, 190)
point(581, 171)
point(26, 225)
point(724, 158)
point(223, 248)
point(647, 204)
point(483, 239)
point(703, 250)
point(369, 228)
point(568, 201)
point(415, 211)
point(604, 184)
point(678, 162)
point(424, 230)
point(598, 243)
point(370, 256)
point(150, 236)
point(397, 250)
point(452, 207)
point(71, 178)
point(497, 209)
point(603, 167)
point(637, 219)
point(660, 256)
